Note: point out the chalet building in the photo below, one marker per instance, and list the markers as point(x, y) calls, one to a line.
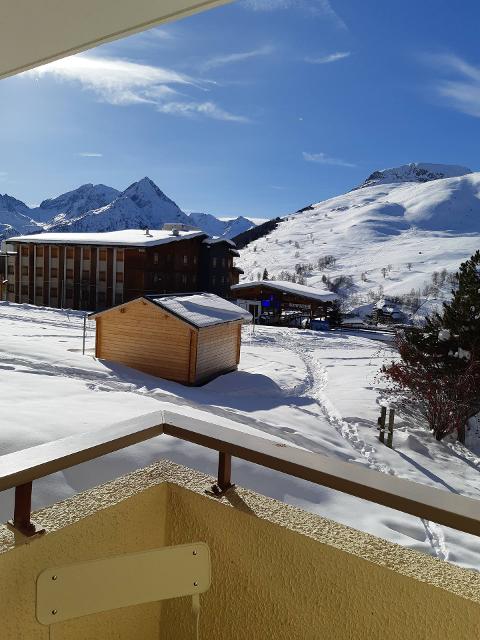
point(94, 271)
point(190, 338)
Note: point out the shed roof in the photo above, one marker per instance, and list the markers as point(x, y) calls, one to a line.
point(197, 309)
point(201, 309)
point(125, 238)
point(289, 287)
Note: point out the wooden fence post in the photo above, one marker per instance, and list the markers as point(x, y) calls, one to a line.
point(381, 424)
point(391, 419)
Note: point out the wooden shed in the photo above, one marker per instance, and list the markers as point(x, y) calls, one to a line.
point(188, 338)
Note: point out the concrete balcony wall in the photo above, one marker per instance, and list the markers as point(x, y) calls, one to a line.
point(277, 571)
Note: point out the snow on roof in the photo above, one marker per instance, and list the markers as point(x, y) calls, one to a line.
point(201, 309)
point(216, 239)
point(289, 287)
point(127, 237)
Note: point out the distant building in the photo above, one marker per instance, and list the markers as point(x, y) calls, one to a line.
point(95, 271)
point(186, 338)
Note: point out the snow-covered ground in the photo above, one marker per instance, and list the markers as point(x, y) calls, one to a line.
point(313, 390)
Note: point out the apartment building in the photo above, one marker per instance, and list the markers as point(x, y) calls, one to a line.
point(95, 271)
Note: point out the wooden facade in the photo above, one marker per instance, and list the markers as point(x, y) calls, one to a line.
point(94, 276)
point(143, 335)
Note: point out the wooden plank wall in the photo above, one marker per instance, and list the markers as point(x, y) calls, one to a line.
point(146, 338)
point(217, 350)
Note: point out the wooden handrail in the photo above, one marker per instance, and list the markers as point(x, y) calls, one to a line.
point(440, 506)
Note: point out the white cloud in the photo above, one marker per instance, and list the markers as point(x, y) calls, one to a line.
point(114, 80)
point(220, 61)
point(90, 154)
point(317, 7)
point(122, 82)
point(3, 175)
point(207, 109)
point(323, 158)
point(462, 89)
point(332, 57)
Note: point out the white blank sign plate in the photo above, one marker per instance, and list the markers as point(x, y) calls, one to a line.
point(89, 587)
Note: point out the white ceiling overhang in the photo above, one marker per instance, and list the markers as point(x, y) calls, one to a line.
point(34, 32)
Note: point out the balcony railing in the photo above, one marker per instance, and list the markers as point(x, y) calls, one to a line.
point(20, 469)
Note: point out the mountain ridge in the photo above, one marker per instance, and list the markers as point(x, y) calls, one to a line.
point(99, 207)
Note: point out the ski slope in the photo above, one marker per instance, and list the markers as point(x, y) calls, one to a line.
point(390, 235)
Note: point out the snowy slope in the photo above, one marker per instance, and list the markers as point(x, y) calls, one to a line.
point(391, 235)
point(299, 388)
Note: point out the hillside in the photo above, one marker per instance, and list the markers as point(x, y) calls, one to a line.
point(389, 238)
point(102, 208)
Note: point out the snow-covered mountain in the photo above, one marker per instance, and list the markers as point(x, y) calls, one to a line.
point(74, 203)
point(216, 227)
point(414, 172)
point(15, 217)
point(101, 208)
point(390, 236)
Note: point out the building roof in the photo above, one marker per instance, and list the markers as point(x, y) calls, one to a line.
point(197, 309)
point(125, 238)
point(289, 287)
point(201, 309)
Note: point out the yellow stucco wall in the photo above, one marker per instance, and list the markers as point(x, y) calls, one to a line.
point(277, 571)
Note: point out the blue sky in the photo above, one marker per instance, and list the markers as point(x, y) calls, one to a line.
point(256, 108)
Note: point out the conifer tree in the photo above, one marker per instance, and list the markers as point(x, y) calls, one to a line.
point(265, 274)
point(440, 363)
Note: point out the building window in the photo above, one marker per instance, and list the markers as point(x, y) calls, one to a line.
point(24, 290)
point(86, 253)
point(70, 252)
point(11, 288)
point(194, 278)
point(24, 270)
point(39, 272)
point(69, 274)
point(54, 252)
point(102, 276)
point(39, 292)
point(10, 270)
point(120, 255)
point(53, 292)
point(214, 262)
point(155, 258)
point(39, 251)
point(85, 274)
point(54, 272)
point(185, 259)
point(102, 254)
point(119, 276)
point(69, 294)
point(24, 251)
point(194, 259)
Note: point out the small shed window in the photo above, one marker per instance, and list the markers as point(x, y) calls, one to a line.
point(155, 258)
point(85, 274)
point(214, 262)
point(119, 276)
point(54, 272)
point(39, 272)
point(69, 252)
point(53, 292)
point(185, 259)
point(194, 259)
point(86, 253)
point(39, 291)
point(102, 254)
point(24, 251)
point(54, 252)
point(120, 255)
point(10, 270)
point(69, 274)
point(102, 276)
point(39, 252)
point(24, 270)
